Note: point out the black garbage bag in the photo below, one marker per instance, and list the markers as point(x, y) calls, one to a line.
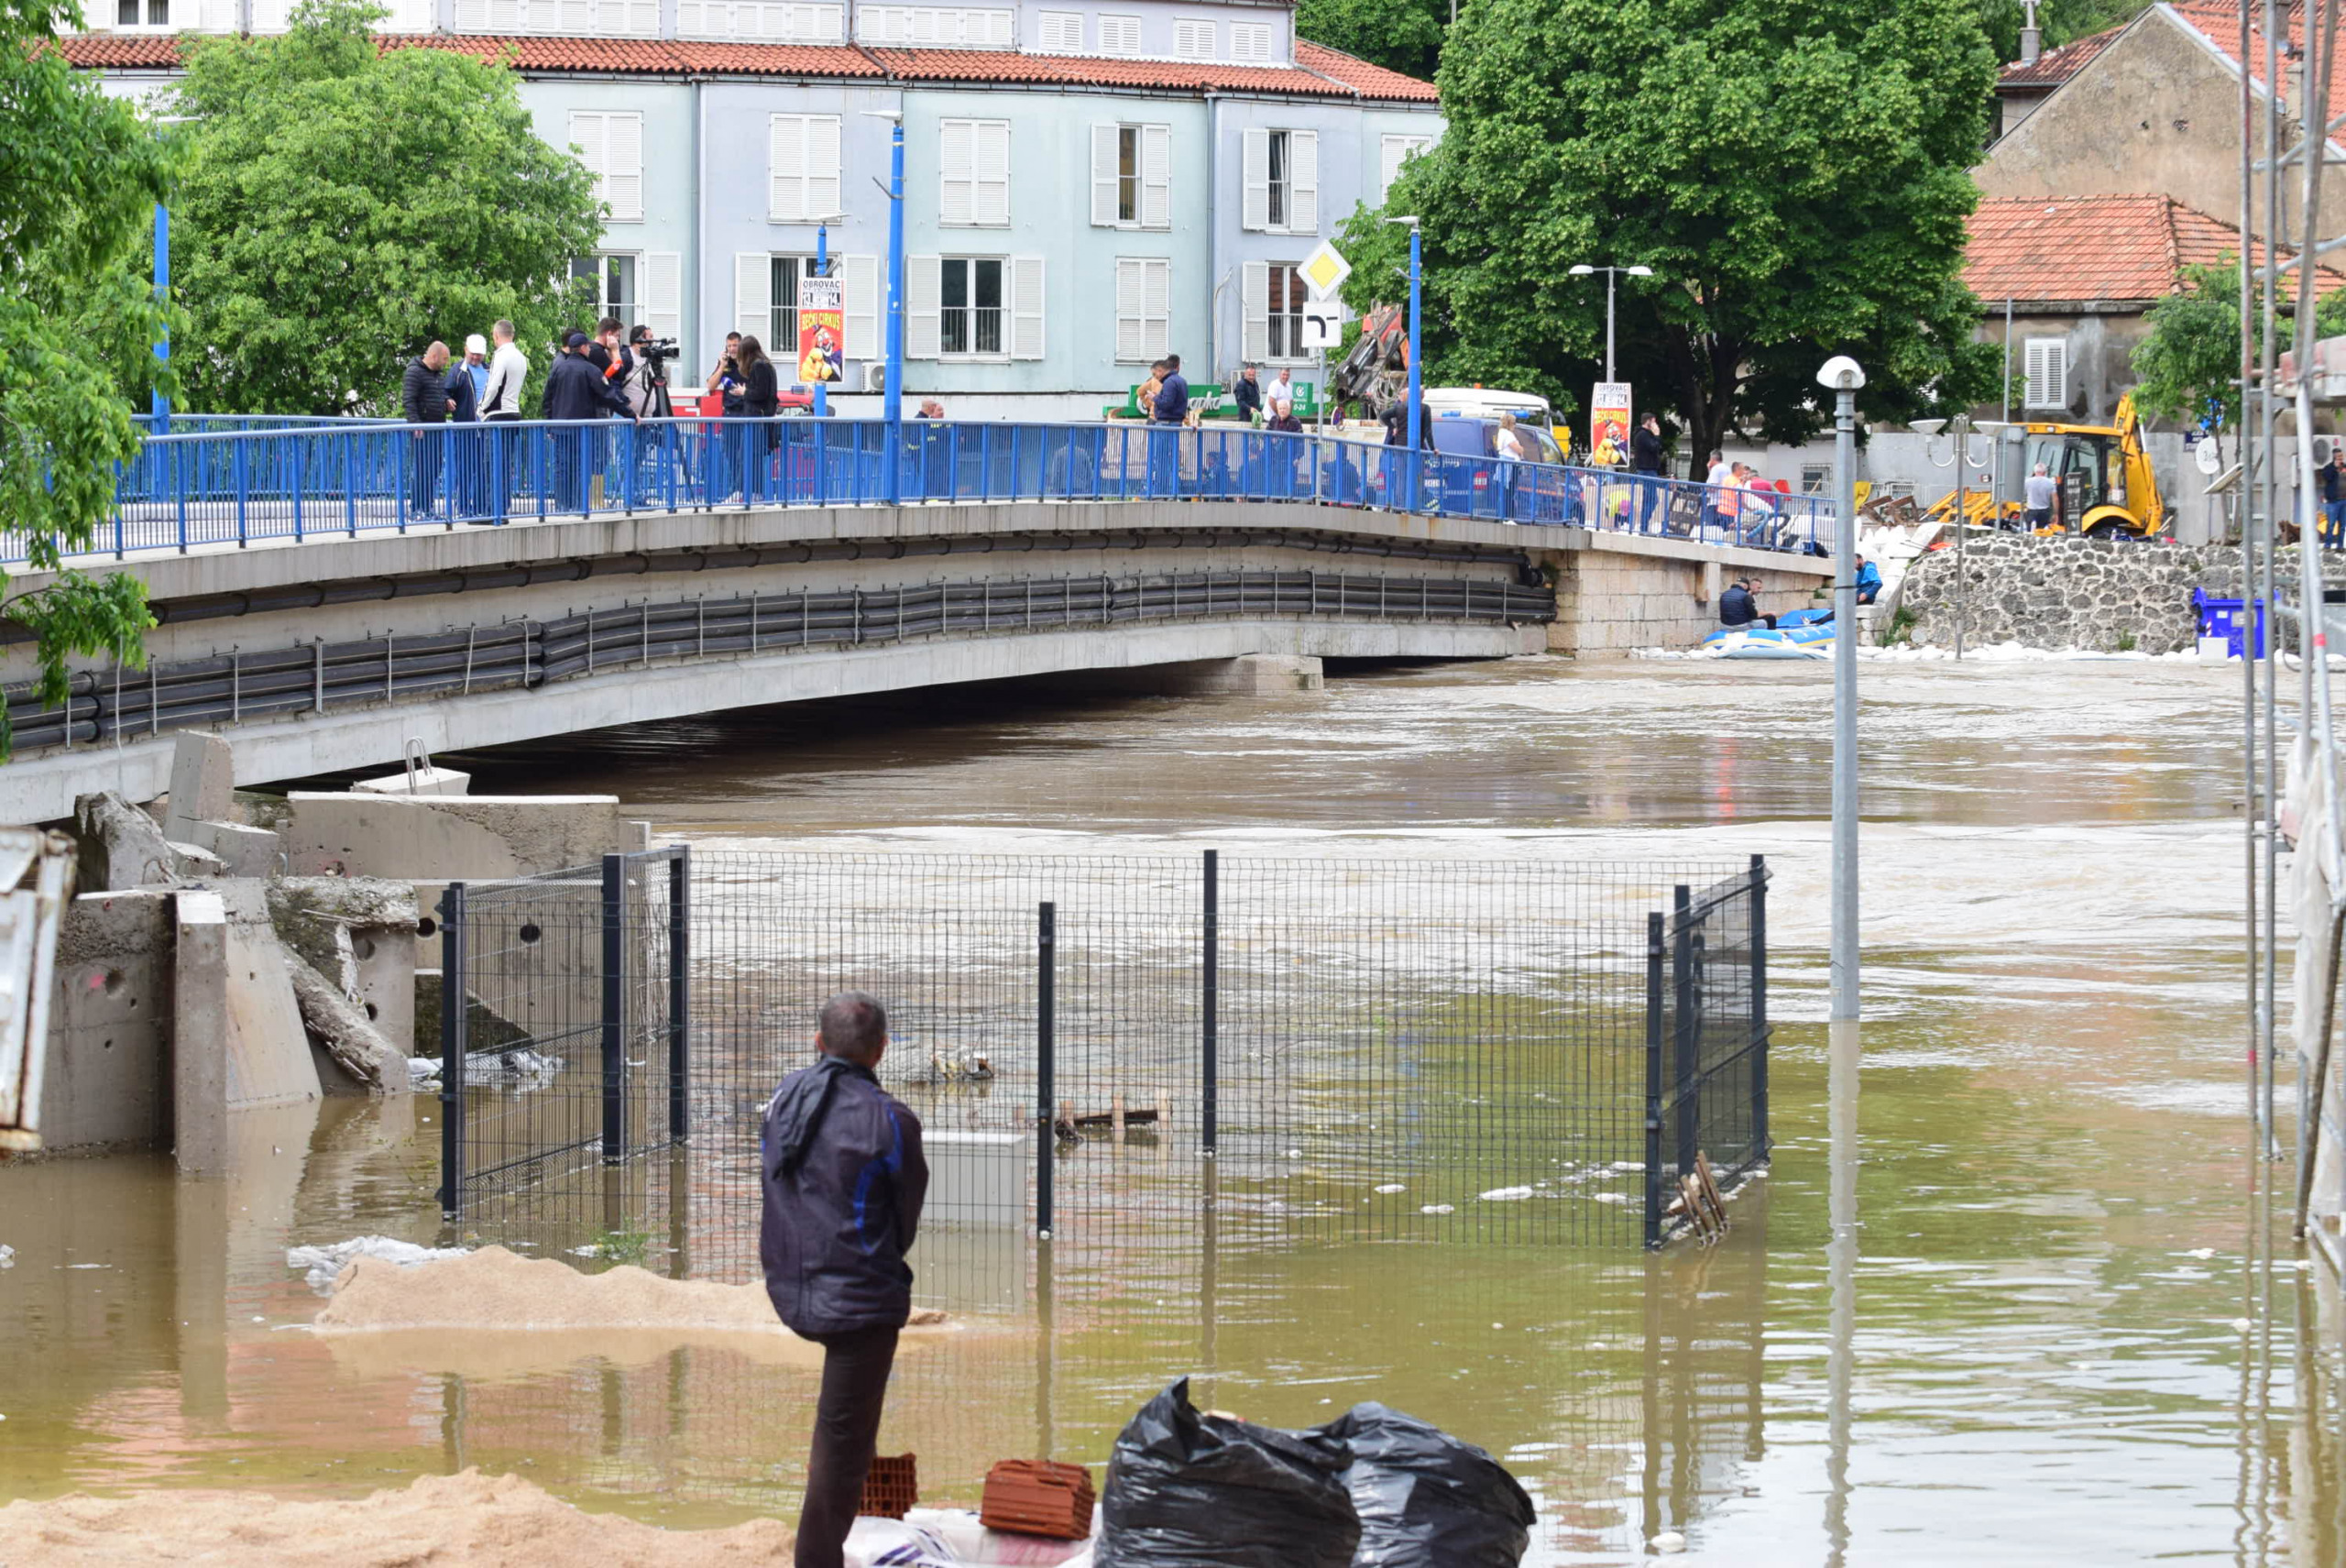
point(1426, 1499)
point(1189, 1490)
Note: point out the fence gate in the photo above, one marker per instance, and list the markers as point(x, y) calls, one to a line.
point(1122, 1053)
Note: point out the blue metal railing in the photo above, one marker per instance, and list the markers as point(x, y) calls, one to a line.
point(349, 476)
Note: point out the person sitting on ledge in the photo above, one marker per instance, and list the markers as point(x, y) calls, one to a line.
point(1869, 581)
point(1736, 610)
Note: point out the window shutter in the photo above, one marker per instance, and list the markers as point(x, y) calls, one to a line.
point(1157, 177)
point(1254, 301)
point(2046, 364)
point(663, 294)
point(787, 197)
point(1250, 41)
point(624, 177)
point(1061, 33)
point(993, 159)
point(923, 289)
point(472, 16)
point(860, 277)
point(822, 165)
point(643, 19)
point(1255, 207)
point(956, 193)
point(1001, 28)
point(505, 17)
point(693, 18)
point(1193, 39)
point(1026, 307)
point(1120, 34)
point(1396, 150)
point(577, 17)
point(586, 135)
point(1303, 183)
point(1103, 176)
point(754, 295)
point(1156, 309)
point(1128, 311)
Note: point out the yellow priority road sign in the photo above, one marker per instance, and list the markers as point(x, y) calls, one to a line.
point(1324, 271)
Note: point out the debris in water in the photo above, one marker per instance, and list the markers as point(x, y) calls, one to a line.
point(1393, 1186)
point(2241, 1325)
point(7, 1257)
point(1506, 1194)
point(2201, 1252)
point(1295, 1154)
point(324, 1263)
point(1610, 1197)
point(1668, 1542)
point(1439, 1208)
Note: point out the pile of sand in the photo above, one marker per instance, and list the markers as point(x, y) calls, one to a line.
point(516, 1314)
point(467, 1520)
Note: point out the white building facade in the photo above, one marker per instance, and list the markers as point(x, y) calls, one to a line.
point(1089, 186)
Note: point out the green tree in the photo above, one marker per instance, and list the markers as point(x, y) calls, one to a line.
point(1399, 34)
point(79, 180)
point(345, 204)
point(1796, 177)
point(2187, 368)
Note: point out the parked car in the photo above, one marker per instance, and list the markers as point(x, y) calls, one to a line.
point(1473, 481)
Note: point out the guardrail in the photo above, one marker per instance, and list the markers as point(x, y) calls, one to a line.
point(346, 478)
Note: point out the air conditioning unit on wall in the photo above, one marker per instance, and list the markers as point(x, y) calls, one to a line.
point(875, 377)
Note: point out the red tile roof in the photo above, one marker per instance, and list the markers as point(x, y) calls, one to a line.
point(2220, 23)
point(1318, 72)
point(2055, 66)
point(1368, 80)
point(2097, 247)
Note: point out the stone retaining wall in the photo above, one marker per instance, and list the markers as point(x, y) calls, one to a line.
point(2103, 595)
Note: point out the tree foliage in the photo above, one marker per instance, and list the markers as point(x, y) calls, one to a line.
point(1399, 34)
point(79, 180)
point(1796, 177)
point(2187, 368)
point(2060, 20)
point(344, 204)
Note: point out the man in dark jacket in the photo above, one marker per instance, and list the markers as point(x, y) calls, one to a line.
point(1737, 611)
point(423, 401)
point(1249, 394)
point(843, 1177)
point(1646, 459)
point(577, 390)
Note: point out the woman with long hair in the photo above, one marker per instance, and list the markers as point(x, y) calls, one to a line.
point(760, 399)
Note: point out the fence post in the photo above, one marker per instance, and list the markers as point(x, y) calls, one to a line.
point(614, 1008)
point(452, 1052)
point(1210, 1004)
point(1046, 1009)
point(1758, 1007)
point(1653, 1076)
point(1687, 1096)
point(680, 992)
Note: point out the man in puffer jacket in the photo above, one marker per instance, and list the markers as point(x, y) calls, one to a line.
point(423, 401)
point(843, 1179)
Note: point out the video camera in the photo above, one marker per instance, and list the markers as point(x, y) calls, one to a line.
point(655, 352)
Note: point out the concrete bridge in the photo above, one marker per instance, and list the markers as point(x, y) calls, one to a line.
point(330, 653)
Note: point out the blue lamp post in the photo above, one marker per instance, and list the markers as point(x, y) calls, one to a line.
point(1412, 465)
point(162, 295)
point(892, 411)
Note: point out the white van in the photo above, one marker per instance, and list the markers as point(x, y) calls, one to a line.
point(1487, 402)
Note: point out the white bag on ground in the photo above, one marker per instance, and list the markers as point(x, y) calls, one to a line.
point(892, 1544)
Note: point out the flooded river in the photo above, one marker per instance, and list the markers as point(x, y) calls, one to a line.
point(2065, 1335)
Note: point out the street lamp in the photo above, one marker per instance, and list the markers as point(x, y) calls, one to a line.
point(1417, 347)
point(1959, 431)
point(1583, 270)
point(163, 405)
point(1842, 377)
point(823, 270)
point(892, 412)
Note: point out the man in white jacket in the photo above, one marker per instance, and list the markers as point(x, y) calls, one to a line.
point(509, 367)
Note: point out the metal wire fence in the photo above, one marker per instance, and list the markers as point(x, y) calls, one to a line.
point(1120, 1053)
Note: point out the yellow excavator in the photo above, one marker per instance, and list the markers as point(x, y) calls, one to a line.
point(2108, 489)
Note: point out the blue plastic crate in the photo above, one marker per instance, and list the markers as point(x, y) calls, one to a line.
point(2227, 619)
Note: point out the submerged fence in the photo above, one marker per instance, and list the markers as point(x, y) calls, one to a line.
point(247, 482)
point(1117, 1053)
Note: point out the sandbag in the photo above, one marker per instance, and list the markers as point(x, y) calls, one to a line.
point(1426, 1499)
point(1187, 1490)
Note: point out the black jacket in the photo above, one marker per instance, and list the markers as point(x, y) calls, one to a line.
point(463, 396)
point(423, 394)
point(1645, 450)
point(575, 390)
point(761, 390)
point(843, 1177)
point(1736, 607)
point(1250, 397)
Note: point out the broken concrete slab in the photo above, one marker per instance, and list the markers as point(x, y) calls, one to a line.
point(422, 780)
point(109, 1072)
point(119, 846)
point(239, 1042)
point(441, 838)
point(242, 851)
point(360, 933)
point(352, 1043)
point(203, 783)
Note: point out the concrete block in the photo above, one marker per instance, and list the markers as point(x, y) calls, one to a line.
point(423, 781)
point(238, 1042)
point(452, 837)
point(976, 1178)
point(203, 782)
point(242, 851)
point(109, 1071)
point(360, 934)
point(118, 846)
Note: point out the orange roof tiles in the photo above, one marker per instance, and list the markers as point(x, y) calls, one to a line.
point(2220, 23)
point(1318, 72)
point(2055, 66)
point(1368, 80)
point(2095, 247)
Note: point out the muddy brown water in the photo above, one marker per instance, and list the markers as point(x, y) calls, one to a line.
point(2072, 1336)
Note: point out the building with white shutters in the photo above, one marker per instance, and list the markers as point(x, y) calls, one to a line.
point(1090, 184)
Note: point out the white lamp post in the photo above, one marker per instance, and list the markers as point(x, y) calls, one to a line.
point(1583, 271)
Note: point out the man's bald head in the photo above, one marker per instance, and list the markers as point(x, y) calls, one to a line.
point(854, 1027)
